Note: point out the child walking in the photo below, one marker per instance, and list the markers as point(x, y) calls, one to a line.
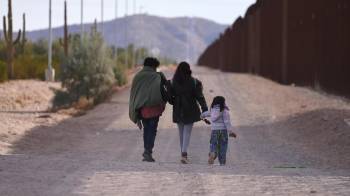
point(220, 125)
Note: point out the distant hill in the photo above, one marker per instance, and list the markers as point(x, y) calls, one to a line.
point(180, 38)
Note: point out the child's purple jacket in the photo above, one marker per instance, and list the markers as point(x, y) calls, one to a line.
point(219, 120)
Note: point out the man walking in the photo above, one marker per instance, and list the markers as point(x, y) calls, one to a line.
point(146, 103)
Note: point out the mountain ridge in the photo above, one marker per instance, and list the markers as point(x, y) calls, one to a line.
point(179, 38)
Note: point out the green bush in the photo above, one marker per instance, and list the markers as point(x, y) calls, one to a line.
point(119, 75)
point(29, 66)
point(31, 62)
point(62, 99)
point(3, 71)
point(88, 70)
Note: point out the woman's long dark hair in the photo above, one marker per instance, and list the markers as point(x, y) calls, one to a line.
point(219, 100)
point(182, 73)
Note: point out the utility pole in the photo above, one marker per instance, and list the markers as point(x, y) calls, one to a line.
point(115, 33)
point(50, 72)
point(188, 40)
point(126, 32)
point(133, 59)
point(81, 19)
point(142, 40)
point(102, 13)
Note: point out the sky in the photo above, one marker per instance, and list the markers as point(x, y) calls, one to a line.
point(221, 11)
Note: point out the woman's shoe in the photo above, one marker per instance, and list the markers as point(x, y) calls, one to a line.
point(212, 157)
point(184, 159)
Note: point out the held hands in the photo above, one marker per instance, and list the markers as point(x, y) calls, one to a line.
point(206, 121)
point(204, 115)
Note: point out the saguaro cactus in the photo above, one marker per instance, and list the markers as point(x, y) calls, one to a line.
point(65, 41)
point(94, 28)
point(8, 34)
point(24, 38)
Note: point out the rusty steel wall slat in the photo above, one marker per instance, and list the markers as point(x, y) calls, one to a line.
point(304, 43)
point(252, 46)
point(243, 46)
point(345, 89)
point(228, 50)
point(221, 53)
point(289, 41)
point(271, 39)
point(240, 46)
point(335, 70)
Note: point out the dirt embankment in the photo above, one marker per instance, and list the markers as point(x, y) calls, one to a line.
point(24, 104)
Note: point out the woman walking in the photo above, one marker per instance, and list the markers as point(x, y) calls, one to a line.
point(188, 93)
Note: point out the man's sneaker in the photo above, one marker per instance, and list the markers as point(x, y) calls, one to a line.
point(148, 157)
point(212, 157)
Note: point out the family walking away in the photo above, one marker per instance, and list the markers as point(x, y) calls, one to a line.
point(150, 91)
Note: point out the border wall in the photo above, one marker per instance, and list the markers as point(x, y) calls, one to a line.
point(306, 43)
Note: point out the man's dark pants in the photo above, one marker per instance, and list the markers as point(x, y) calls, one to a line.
point(149, 133)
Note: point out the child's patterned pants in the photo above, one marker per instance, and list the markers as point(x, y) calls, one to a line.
point(218, 144)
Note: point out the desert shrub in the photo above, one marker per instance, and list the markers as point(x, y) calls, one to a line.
point(31, 62)
point(88, 70)
point(62, 99)
point(40, 47)
point(119, 75)
point(33, 67)
point(3, 71)
point(30, 67)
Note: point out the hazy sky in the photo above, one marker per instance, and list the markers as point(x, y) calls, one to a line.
point(222, 11)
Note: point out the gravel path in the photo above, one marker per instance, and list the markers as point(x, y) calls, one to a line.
point(291, 141)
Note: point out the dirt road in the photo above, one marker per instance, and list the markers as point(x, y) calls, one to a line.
point(291, 141)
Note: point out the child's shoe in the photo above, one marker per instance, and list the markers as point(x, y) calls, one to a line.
point(212, 157)
point(222, 162)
